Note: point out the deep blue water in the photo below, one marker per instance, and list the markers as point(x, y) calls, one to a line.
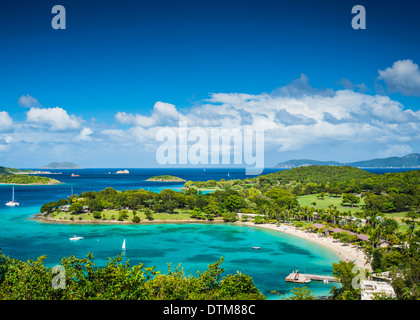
point(192, 245)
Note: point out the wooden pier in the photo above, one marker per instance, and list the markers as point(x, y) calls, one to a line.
point(305, 278)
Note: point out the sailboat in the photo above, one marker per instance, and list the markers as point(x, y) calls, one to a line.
point(123, 246)
point(12, 203)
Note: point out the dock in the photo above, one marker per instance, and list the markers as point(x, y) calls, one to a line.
point(305, 278)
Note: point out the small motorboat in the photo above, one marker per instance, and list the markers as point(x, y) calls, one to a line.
point(307, 280)
point(325, 281)
point(75, 175)
point(256, 248)
point(75, 238)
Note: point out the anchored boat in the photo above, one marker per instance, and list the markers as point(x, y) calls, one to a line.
point(12, 202)
point(75, 238)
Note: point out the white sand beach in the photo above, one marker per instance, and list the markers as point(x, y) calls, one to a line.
point(347, 252)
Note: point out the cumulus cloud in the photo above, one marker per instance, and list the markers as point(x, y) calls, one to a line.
point(28, 101)
point(6, 122)
point(403, 77)
point(85, 135)
point(55, 118)
point(294, 118)
point(162, 114)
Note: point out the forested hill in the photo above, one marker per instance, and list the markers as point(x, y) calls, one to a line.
point(5, 170)
point(16, 176)
point(408, 161)
point(319, 174)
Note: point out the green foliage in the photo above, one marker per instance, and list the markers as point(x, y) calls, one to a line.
point(229, 217)
point(148, 213)
point(96, 214)
point(406, 281)
point(302, 294)
point(343, 271)
point(25, 179)
point(116, 280)
point(320, 174)
point(350, 198)
point(76, 207)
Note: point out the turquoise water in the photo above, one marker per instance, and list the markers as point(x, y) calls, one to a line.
point(193, 245)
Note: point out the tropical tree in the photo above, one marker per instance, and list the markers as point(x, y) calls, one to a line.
point(302, 294)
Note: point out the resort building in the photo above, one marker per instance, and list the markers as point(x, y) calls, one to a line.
point(65, 208)
point(369, 289)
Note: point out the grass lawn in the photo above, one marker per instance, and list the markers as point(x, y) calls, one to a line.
point(399, 216)
point(111, 215)
point(324, 203)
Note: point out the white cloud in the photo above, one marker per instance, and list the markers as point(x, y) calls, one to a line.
point(295, 117)
point(403, 77)
point(28, 101)
point(162, 114)
point(397, 150)
point(85, 135)
point(6, 122)
point(56, 118)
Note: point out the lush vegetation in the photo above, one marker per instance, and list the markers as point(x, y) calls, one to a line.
point(25, 179)
point(81, 279)
point(16, 176)
point(5, 170)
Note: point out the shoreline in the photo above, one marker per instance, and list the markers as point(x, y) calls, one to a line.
point(31, 184)
point(344, 252)
point(52, 220)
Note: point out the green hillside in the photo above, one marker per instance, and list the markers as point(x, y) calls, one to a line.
point(10, 176)
point(319, 174)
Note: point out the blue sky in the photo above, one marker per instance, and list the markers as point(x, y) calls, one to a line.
point(117, 59)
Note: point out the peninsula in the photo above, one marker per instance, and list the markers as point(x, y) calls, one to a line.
point(23, 177)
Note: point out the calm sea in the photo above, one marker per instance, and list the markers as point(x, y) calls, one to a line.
point(193, 245)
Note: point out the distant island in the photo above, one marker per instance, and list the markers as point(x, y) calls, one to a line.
point(408, 161)
point(23, 177)
point(62, 165)
point(166, 178)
